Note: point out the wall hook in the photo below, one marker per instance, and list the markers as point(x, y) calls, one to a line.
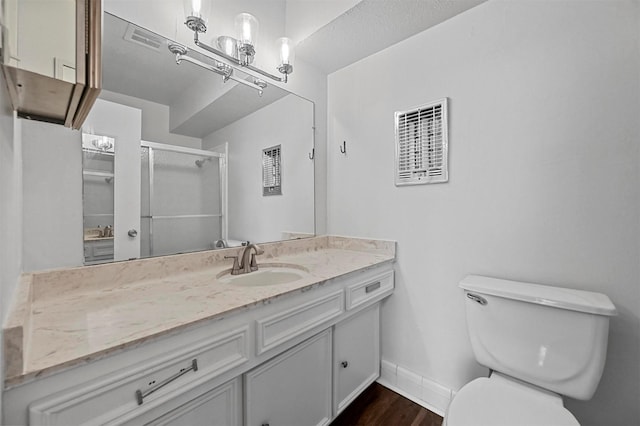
point(343, 148)
point(312, 155)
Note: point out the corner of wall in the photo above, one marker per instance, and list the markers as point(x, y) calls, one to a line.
point(421, 390)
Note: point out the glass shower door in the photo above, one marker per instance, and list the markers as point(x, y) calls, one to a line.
point(182, 199)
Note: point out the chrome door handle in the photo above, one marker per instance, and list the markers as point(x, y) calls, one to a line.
point(132, 233)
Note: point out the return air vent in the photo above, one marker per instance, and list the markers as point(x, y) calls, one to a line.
point(272, 171)
point(422, 144)
point(143, 37)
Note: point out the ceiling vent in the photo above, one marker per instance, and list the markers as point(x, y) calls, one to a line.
point(144, 37)
point(422, 144)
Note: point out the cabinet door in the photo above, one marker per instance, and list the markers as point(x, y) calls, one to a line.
point(356, 359)
point(292, 389)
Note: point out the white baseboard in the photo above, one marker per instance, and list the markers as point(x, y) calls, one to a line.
point(421, 390)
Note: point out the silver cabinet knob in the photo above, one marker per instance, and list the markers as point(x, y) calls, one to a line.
point(344, 364)
point(132, 233)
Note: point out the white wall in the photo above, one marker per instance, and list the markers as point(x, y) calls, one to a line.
point(46, 30)
point(52, 174)
point(123, 123)
point(10, 209)
point(252, 216)
point(10, 200)
point(155, 120)
point(544, 176)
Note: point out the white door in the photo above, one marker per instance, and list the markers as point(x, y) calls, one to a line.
point(292, 389)
point(356, 355)
point(124, 124)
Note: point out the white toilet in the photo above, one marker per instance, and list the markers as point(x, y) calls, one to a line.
point(540, 343)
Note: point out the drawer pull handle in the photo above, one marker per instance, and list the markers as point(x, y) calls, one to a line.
point(140, 396)
point(372, 287)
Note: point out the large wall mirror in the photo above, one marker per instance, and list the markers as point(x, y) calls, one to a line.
point(196, 178)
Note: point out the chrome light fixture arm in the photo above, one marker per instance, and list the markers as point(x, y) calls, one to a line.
point(237, 61)
point(222, 69)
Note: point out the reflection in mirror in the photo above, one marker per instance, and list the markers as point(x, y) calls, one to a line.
point(41, 37)
point(201, 151)
point(98, 155)
point(183, 199)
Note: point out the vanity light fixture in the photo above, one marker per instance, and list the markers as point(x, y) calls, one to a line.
point(241, 49)
point(218, 67)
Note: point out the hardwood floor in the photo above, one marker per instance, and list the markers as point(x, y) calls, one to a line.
point(379, 406)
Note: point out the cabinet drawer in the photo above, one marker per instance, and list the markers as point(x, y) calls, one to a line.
point(220, 406)
point(277, 329)
point(144, 387)
point(373, 288)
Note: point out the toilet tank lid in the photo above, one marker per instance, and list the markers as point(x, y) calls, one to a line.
point(556, 297)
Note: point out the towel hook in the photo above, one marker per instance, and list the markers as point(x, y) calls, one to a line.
point(343, 148)
point(312, 154)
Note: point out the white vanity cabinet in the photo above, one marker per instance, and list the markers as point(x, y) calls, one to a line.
point(298, 359)
point(356, 361)
point(292, 389)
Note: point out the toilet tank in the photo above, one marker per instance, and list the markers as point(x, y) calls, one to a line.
point(552, 337)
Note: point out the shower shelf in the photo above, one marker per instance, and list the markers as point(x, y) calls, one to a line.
point(181, 216)
point(97, 173)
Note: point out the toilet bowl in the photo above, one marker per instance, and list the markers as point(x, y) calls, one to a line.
point(540, 343)
point(498, 400)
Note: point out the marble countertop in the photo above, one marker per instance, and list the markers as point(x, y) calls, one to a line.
point(61, 318)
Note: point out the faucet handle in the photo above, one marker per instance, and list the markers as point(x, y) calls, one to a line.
point(235, 269)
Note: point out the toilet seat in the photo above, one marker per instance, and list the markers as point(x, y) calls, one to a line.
point(499, 401)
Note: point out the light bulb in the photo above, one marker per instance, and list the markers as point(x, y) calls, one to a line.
point(246, 28)
point(228, 45)
point(287, 55)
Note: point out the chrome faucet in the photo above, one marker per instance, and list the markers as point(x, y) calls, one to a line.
point(247, 260)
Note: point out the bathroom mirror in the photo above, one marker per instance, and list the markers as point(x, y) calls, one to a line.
point(201, 154)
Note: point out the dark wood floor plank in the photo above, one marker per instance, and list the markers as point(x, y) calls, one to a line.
point(379, 406)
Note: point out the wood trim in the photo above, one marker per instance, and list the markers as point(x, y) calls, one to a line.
point(91, 61)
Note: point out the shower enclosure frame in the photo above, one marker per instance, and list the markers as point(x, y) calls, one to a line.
point(222, 163)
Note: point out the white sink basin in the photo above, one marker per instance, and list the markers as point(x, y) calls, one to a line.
point(268, 274)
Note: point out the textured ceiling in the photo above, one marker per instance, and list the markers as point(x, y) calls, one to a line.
point(373, 25)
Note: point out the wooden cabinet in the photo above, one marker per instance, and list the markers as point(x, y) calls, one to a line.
point(294, 388)
point(65, 92)
point(356, 361)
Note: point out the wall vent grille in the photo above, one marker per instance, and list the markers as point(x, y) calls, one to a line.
point(143, 37)
point(422, 144)
point(272, 171)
